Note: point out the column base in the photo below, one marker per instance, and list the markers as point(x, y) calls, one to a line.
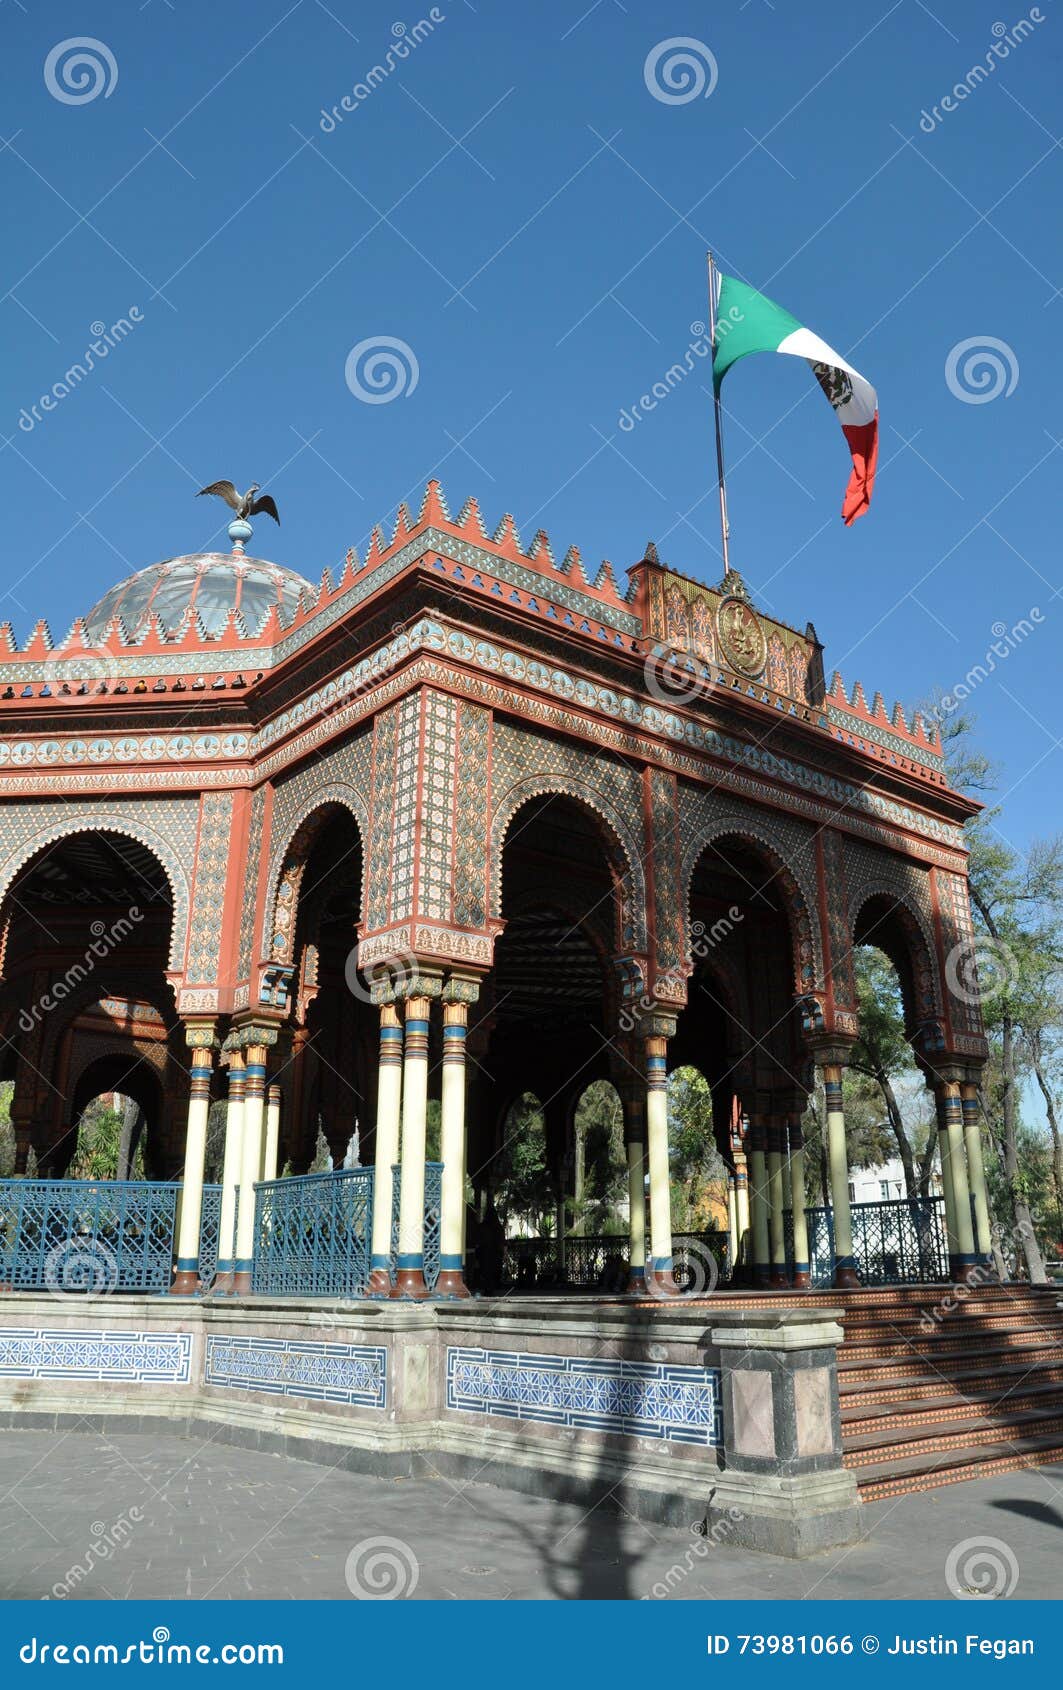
point(379, 1282)
point(801, 1279)
point(846, 1277)
point(409, 1284)
point(451, 1283)
point(241, 1286)
point(762, 1277)
point(965, 1269)
point(186, 1280)
point(636, 1282)
point(223, 1280)
point(660, 1277)
point(779, 1279)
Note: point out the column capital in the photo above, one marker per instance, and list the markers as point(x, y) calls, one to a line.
point(263, 1034)
point(200, 1035)
point(417, 981)
point(657, 1025)
point(462, 988)
point(831, 1053)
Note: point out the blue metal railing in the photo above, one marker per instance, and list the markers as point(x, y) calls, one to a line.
point(433, 1207)
point(896, 1242)
point(209, 1224)
point(312, 1234)
point(86, 1235)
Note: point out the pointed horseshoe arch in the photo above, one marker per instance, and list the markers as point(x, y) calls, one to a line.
point(921, 955)
point(289, 858)
point(798, 888)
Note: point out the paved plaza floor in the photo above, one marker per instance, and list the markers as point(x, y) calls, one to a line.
point(84, 1514)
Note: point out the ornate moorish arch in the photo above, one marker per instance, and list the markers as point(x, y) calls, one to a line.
point(132, 827)
point(289, 857)
point(871, 873)
point(780, 843)
point(920, 954)
point(620, 848)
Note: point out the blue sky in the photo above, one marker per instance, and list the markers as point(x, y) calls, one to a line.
point(515, 205)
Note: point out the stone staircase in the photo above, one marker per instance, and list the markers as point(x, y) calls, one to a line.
point(933, 1392)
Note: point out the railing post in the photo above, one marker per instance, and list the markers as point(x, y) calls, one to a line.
point(459, 992)
point(199, 1036)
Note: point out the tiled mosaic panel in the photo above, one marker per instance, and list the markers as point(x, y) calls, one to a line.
point(404, 807)
point(348, 1373)
point(663, 1400)
point(249, 907)
point(382, 818)
point(138, 1358)
point(436, 843)
point(208, 896)
point(470, 816)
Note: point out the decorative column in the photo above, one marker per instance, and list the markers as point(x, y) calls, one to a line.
point(732, 1216)
point(199, 1036)
point(388, 1106)
point(845, 1272)
point(972, 1135)
point(958, 1219)
point(271, 1147)
point(633, 1103)
point(459, 992)
point(802, 1275)
point(409, 1275)
point(660, 1278)
point(758, 1203)
point(256, 1043)
point(230, 1174)
point(776, 1158)
point(741, 1263)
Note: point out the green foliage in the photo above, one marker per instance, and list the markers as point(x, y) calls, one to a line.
point(520, 1178)
point(99, 1136)
point(697, 1168)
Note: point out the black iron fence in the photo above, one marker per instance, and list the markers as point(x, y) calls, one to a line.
point(599, 1262)
point(899, 1242)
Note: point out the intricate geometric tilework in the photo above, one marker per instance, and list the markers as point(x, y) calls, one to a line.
point(208, 896)
point(435, 845)
point(382, 818)
point(639, 1399)
point(166, 826)
point(249, 907)
point(954, 900)
point(706, 816)
point(340, 776)
point(347, 1373)
point(870, 873)
point(526, 765)
point(470, 816)
point(406, 828)
point(839, 927)
point(138, 1358)
point(667, 891)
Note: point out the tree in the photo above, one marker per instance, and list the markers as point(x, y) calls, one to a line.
point(881, 1056)
point(521, 1183)
point(699, 1176)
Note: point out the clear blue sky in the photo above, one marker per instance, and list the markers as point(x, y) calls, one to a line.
point(517, 155)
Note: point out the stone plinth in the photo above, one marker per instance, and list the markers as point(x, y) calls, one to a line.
point(783, 1487)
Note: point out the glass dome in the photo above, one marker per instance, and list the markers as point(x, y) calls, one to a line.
point(212, 583)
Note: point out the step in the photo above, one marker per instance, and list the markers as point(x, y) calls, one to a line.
point(918, 1474)
point(885, 1446)
point(958, 1363)
point(933, 1350)
point(859, 1328)
point(946, 1409)
point(903, 1387)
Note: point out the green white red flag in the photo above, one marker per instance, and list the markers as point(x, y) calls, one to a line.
point(747, 322)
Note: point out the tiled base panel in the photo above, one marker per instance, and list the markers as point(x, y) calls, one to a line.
point(557, 1400)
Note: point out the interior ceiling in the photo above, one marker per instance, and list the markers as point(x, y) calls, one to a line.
point(727, 872)
point(94, 868)
point(545, 969)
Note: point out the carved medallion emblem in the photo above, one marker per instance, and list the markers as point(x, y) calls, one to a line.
point(741, 637)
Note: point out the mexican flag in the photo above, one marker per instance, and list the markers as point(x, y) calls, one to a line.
point(747, 322)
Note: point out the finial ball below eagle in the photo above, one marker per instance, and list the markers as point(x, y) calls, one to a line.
point(244, 504)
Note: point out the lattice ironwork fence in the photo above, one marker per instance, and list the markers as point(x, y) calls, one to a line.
point(433, 1205)
point(312, 1234)
point(209, 1223)
point(86, 1235)
point(599, 1261)
point(899, 1242)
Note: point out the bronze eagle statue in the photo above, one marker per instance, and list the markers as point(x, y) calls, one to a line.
point(244, 504)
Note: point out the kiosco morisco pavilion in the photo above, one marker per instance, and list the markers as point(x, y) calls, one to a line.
point(466, 820)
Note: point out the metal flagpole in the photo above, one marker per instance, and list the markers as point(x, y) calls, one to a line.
point(725, 526)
